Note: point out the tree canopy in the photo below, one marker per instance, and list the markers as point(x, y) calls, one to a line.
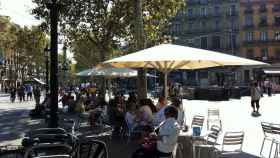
point(97, 29)
point(21, 48)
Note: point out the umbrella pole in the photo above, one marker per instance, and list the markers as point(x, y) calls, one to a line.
point(109, 88)
point(165, 85)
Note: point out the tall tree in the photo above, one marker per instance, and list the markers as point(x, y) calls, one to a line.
point(106, 23)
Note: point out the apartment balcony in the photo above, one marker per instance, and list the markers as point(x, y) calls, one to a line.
point(203, 2)
point(192, 17)
point(248, 11)
point(231, 14)
point(261, 42)
point(249, 43)
point(267, 59)
point(262, 10)
point(216, 15)
point(217, 1)
point(248, 26)
point(276, 9)
point(205, 16)
point(276, 24)
point(192, 3)
point(263, 24)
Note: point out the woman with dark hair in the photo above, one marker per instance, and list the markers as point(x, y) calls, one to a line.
point(145, 112)
point(118, 110)
point(255, 97)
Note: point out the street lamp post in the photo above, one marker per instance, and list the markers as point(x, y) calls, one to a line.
point(53, 122)
point(64, 66)
point(46, 54)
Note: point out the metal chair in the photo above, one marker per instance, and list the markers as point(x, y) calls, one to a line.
point(271, 133)
point(213, 117)
point(232, 144)
point(33, 137)
point(10, 151)
point(92, 149)
point(49, 150)
point(210, 140)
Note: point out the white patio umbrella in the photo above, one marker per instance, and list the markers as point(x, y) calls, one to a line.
point(167, 57)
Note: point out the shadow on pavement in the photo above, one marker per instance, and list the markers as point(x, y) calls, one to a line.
point(14, 123)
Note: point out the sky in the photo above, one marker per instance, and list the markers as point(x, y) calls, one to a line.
point(18, 11)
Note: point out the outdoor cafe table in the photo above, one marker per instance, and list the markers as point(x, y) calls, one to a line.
point(188, 142)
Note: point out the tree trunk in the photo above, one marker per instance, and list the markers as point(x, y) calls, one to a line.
point(102, 51)
point(140, 44)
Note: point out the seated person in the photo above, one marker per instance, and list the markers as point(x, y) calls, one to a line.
point(95, 117)
point(165, 140)
point(130, 116)
point(159, 117)
point(118, 112)
point(146, 114)
point(80, 107)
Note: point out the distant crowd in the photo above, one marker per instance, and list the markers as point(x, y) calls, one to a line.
point(25, 93)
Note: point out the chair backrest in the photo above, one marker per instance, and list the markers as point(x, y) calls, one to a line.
point(46, 131)
point(213, 112)
point(213, 136)
point(93, 149)
point(197, 121)
point(49, 150)
point(270, 129)
point(126, 128)
point(233, 141)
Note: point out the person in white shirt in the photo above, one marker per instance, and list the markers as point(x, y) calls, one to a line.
point(168, 132)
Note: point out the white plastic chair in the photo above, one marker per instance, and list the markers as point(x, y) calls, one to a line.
point(210, 140)
point(213, 117)
point(271, 133)
point(232, 144)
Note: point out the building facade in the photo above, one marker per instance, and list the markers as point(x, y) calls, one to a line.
point(260, 33)
point(260, 30)
point(247, 28)
point(208, 24)
point(211, 25)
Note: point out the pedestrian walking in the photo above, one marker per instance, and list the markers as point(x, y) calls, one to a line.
point(21, 93)
point(269, 88)
point(255, 97)
point(13, 94)
point(37, 95)
point(29, 91)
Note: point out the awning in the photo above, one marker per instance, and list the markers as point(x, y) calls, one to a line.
point(272, 71)
point(39, 81)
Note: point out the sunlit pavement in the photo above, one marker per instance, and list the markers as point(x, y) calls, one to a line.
point(236, 116)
